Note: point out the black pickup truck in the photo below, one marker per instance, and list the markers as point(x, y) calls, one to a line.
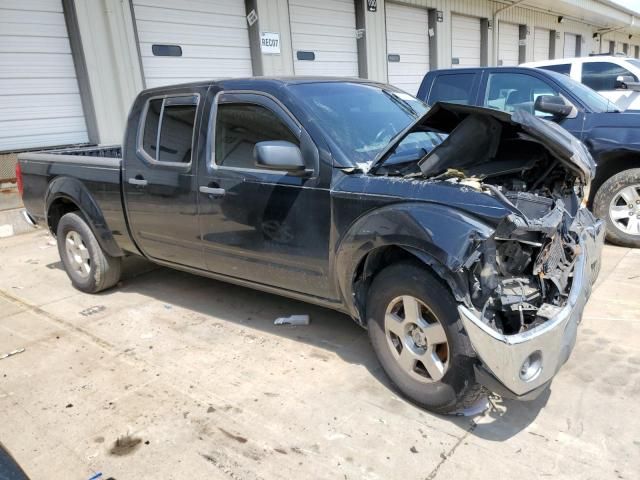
point(454, 234)
point(611, 136)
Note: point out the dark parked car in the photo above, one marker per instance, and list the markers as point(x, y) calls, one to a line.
point(456, 235)
point(612, 136)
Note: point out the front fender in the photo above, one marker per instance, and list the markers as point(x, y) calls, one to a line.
point(74, 191)
point(440, 236)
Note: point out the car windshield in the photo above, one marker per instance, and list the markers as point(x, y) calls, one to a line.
point(359, 118)
point(592, 99)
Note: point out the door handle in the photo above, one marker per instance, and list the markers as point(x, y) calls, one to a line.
point(215, 192)
point(138, 181)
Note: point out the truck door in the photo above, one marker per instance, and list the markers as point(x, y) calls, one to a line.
point(159, 180)
point(266, 226)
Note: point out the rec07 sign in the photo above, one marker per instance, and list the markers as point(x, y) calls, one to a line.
point(270, 43)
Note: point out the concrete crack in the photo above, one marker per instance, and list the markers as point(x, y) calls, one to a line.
point(445, 456)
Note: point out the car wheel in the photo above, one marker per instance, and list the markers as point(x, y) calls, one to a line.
point(89, 267)
point(617, 201)
point(417, 335)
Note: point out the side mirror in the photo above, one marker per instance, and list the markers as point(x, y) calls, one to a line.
point(278, 155)
point(627, 82)
point(553, 104)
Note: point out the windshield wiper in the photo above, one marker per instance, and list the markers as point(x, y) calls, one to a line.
point(401, 103)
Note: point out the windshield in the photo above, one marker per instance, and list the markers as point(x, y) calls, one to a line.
point(634, 62)
point(592, 99)
point(360, 119)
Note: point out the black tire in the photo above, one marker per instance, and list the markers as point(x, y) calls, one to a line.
point(457, 389)
point(104, 271)
point(605, 195)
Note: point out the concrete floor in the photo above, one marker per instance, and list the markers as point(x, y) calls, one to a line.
point(205, 386)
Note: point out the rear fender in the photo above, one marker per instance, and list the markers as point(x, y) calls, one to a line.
point(74, 191)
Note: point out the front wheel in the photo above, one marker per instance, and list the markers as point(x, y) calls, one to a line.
point(417, 335)
point(90, 268)
point(618, 203)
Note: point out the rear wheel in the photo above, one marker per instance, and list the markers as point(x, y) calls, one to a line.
point(416, 333)
point(618, 203)
point(90, 268)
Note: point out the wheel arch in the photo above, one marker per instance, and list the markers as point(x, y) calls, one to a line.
point(610, 164)
point(439, 237)
point(67, 194)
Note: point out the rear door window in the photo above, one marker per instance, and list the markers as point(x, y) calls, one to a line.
point(454, 88)
point(168, 129)
point(602, 75)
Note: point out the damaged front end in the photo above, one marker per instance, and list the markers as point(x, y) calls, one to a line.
point(529, 281)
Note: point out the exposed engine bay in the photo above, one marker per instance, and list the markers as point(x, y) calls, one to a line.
point(522, 275)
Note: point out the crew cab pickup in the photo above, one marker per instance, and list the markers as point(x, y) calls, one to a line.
point(612, 136)
point(454, 234)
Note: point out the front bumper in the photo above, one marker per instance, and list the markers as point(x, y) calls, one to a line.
point(502, 356)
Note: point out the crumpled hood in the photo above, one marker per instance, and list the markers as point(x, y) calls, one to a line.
point(445, 117)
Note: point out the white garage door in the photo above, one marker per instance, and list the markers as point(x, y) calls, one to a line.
point(39, 97)
point(508, 38)
point(323, 35)
point(465, 41)
point(213, 37)
point(541, 38)
point(407, 46)
point(569, 49)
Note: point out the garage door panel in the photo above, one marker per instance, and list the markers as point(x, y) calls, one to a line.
point(22, 44)
point(196, 52)
point(32, 18)
point(407, 41)
point(172, 16)
point(213, 36)
point(330, 6)
point(541, 44)
point(223, 7)
point(328, 29)
point(465, 41)
point(508, 39)
point(53, 30)
point(37, 86)
point(19, 142)
point(231, 38)
point(40, 102)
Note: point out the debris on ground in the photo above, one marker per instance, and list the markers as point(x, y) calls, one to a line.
point(10, 354)
point(96, 476)
point(293, 320)
point(125, 445)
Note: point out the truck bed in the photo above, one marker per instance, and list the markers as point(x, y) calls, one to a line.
point(95, 169)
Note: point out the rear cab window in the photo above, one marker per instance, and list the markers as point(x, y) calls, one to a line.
point(453, 88)
point(168, 129)
point(564, 68)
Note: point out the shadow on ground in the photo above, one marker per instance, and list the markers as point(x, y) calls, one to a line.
point(329, 330)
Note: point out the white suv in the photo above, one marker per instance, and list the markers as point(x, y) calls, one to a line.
point(614, 77)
